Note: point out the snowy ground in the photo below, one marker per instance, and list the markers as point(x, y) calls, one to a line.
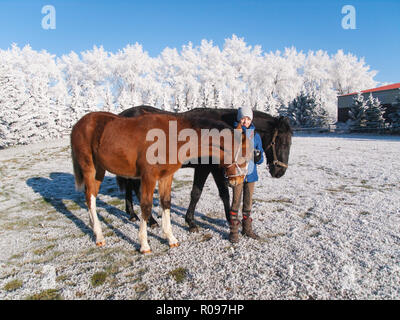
point(329, 228)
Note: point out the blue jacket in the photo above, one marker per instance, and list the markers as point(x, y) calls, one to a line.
point(255, 138)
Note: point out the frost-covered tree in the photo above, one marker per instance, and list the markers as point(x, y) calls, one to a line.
point(358, 113)
point(134, 78)
point(242, 75)
point(318, 81)
point(304, 111)
point(284, 77)
point(32, 87)
point(351, 74)
point(82, 93)
point(374, 113)
point(42, 97)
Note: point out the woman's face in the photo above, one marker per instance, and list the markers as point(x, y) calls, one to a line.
point(245, 121)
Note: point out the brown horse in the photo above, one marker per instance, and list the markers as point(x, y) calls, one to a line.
point(102, 141)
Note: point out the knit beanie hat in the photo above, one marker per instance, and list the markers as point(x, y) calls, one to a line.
point(244, 111)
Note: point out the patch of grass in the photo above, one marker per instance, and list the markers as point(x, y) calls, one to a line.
point(140, 288)
point(57, 254)
point(71, 205)
point(62, 278)
point(106, 220)
point(315, 234)
point(337, 189)
point(276, 235)
point(365, 213)
point(282, 200)
point(347, 203)
point(98, 278)
point(342, 188)
point(15, 225)
point(50, 294)
point(177, 184)
point(45, 200)
point(206, 237)
point(324, 221)
point(112, 269)
point(13, 285)
point(365, 186)
point(115, 203)
point(65, 149)
point(306, 214)
point(17, 256)
point(328, 170)
point(179, 274)
point(22, 224)
point(52, 217)
point(42, 251)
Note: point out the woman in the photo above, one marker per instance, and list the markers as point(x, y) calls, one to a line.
point(245, 117)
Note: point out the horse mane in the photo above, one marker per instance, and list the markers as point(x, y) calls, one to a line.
point(207, 123)
point(280, 123)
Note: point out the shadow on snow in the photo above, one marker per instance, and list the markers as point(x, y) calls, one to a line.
point(61, 186)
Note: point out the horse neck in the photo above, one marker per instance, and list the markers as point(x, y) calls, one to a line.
point(207, 148)
point(266, 129)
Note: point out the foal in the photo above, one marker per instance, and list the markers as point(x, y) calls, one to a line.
point(102, 141)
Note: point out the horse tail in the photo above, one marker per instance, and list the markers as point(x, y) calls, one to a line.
point(122, 182)
point(79, 183)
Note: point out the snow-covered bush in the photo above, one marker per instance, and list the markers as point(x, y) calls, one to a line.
point(358, 113)
point(374, 113)
point(305, 112)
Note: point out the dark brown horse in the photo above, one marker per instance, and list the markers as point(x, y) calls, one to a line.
point(127, 147)
point(276, 136)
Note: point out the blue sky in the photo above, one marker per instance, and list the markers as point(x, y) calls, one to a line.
point(306, 24)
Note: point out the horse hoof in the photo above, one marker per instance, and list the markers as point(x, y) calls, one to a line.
point(101, 243)
point(174, 245)
point(133, 219)
point(194, 229)
point(145, 252)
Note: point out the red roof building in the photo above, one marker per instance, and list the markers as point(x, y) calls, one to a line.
point(387, 95)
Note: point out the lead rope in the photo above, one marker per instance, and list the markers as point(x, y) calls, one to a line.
point(241, 172)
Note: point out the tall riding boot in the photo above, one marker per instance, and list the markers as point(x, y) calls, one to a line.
point(247, 227)
point(234, 227)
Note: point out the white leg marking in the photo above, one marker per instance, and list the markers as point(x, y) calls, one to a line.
point(166, 227)
point(94, 221)
point(144, 245)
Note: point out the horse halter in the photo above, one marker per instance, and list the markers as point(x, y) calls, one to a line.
point(276, 162)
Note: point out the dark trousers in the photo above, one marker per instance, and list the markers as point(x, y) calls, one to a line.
point(246, 189)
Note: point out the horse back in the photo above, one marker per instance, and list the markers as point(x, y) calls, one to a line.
point(226, 115)
point(86, 133)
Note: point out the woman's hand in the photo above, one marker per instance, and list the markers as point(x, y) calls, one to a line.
point(257, 155)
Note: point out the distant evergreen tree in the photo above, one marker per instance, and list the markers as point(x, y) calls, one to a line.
point(304, 111)
point(395, 115)
point(358, 113)
point(374, 113)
